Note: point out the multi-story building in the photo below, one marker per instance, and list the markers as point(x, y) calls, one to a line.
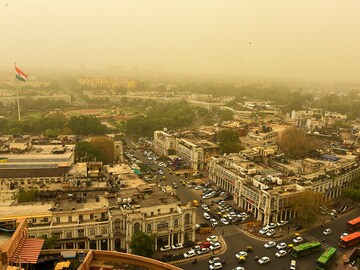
point(267, 191)
point(164, 143)
point(88, 217)
point(196, 153)
point(23, 160)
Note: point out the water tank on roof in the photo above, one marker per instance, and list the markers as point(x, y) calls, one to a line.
point(129, 200)
point(279, 181)
point(124, 200)
point(119, 200)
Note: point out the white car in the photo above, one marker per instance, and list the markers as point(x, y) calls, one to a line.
point(215, 245)
point(205, 207)
point(281, 223)
point(264, 260)
point(282, 245)
point(270, 232)
point(214, 223)
point(177, 246)
point(206, 216)
point(165, 248)
point(215, 266)
point(327, 231)
point(214, 260)
point(271, 225)
point(224, 221)
point(269, 244)
point(213, 238)
point(238, 268)
point(344, 234)
point(202, 251)
point(298, 240)
point(264, 230)
point(280, 253)
point(241, 254)
point(189, 254)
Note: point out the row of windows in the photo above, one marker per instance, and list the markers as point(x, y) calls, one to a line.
point(78, 233)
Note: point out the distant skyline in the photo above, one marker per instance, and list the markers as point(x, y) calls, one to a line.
point(301, 40)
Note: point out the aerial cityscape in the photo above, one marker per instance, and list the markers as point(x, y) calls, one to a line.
point(157, 135)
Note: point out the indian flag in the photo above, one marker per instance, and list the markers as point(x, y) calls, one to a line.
point(21, 76)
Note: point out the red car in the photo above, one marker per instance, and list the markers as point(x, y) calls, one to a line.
point(205, 245)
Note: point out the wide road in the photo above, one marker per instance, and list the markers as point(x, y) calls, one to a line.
point(237, 240)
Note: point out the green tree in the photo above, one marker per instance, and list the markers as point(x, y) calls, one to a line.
point(105, 146)
point(142, 244)
point(85, 151)
point(229, 141)
point(307, 204)
point(86, 125)
point(26, 195)
point(49, 243)
point(353, 193)
point(295, 144)
point(226, 115)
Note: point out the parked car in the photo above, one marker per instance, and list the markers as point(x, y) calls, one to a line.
point(189, 254)
point(327, 231)
point(213, 238)
point(177, 246)
point(263, 230)
point(202, 251)
point(189, 243)
point(215, 245)
point(165, 248)
point(206, 216)
point(270, 232)
point(224, 221)
point(271, 225)
point(282, 223)
point(270, 244)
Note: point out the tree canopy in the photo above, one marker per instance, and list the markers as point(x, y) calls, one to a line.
point(142, 244)
point(229, 141)
point(85, 125)
point(353, 193)
point(307, 204)
point(295, 144)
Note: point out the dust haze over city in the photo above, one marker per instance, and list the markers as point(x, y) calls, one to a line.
point(315, 40)
point(198, 134)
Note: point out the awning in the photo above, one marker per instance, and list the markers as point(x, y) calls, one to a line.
point(28, 251)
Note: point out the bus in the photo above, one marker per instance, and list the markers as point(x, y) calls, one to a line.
point(349, 240)
point(305, 249)
point(353, 225)
point(326, 258)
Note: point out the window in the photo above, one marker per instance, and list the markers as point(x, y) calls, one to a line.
point(44, 236)
point(176, 223)
point(68, 234)
point(81, 233)
point(70, 218)
point(91, 216)
point(136, 227)
point(91, 231)
point(81, 217)
point(187, 219)
point(57, 219)
point(159, 210)
point(46, 219)
point(117, 224)
point(162, 225)
point(103, 230)
point(33, 220)
point(148, 228)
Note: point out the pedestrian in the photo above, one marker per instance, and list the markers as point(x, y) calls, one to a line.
point(222, 232)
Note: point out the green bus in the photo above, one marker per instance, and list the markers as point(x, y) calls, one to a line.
point(305, 249)
point(326, 258)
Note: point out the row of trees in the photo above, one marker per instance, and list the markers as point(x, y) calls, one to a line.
point(53, 125)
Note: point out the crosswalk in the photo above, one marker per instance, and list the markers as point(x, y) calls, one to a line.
point(324, 245)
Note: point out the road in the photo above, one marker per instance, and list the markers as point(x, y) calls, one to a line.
point(237, 240)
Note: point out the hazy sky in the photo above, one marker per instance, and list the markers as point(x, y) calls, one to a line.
point(297, 39)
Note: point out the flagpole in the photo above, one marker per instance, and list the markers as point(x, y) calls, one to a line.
point(18, 102)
